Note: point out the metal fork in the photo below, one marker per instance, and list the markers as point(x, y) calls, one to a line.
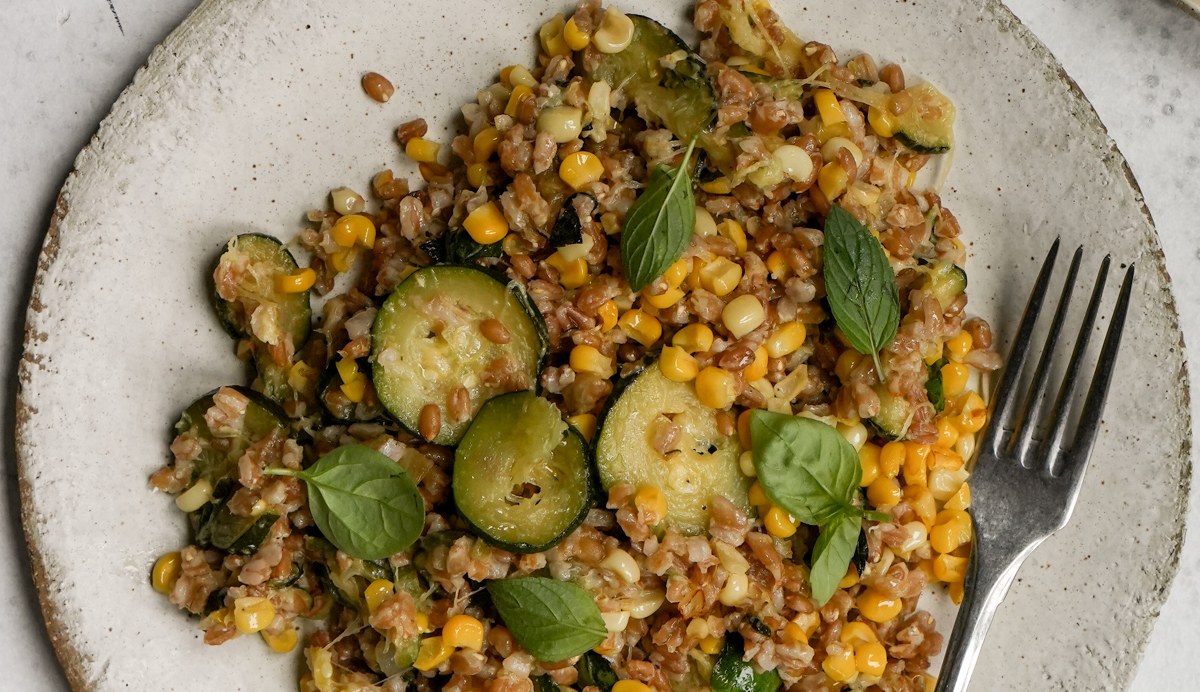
point(1024, 488)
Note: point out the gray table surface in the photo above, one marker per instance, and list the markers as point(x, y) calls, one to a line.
point(63, 63)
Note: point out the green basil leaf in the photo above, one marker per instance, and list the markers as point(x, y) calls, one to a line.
point(934, 387)
point(554, 620)
point(832, 554)
point(733, 674)
point(860, 284)
point(595, 670)
point(805, 466)
point(568, 227)
point(659, 225)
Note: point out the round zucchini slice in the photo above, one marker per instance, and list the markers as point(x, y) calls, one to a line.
point(245, 275)
point(704, 464)
point(426, 342)
point(220, 453)
point(522, 476)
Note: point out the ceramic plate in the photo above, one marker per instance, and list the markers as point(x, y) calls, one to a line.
point(251, 112)
point(1192, 6)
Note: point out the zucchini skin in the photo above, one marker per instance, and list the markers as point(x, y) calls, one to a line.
point(225, 314)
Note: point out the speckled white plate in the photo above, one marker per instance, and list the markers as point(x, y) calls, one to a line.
point(251, 111)
point(1192, 6)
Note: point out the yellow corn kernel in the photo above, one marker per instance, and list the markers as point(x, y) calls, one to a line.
point(607, 312)
point(355, 388)
point(828, 107)
point(832, 180)
point(463, 632)
point(721, 276)
point(922, 502)
point(677, 272)
point(965, 447)
point(165, 573)
point(974, 414)
point(779, 523)
point(881, 121)
point(580, 169)
point(576, 39)
point(839, 666)
point(563, 123)
point(743, 315)
point(486, 143)
point(827, 132)
point(746, 464)
point(377, 592)
point(956, 595)
point(693, 338)
point(299, 376)
point(551, 37)
point(786, 339)
point(733, 231)
point(717, 186)
point(477, 175)
point(711, 645)
point(846, 362)
point(299, 282)
point(486, 224)
point(949, 533)
point(883, 492)
point(347, 369)
point(519, 74)
point(586, 358)
point(195, 497)
point(585, 423)
point(640, 327)
point(954, 379)
point(664, 300)
point(870, 658)
point(283, 642)
point(949, 568)
point(520, 92)
point(891, 459)
point(961, 499)
point(854, 433)
point(422, 150)
point(947, 433)
point(615, 32)
point(960, 345)
point(758, 496)
point(868, 459)
point(877, 607)
point(622, 564)
point(715, 388)
point(348, 229)
point(422, 622)
point(778, 266)
point(758, 369)
point(855, 633)
point(915, 468)
point(650, 500)
point(830, 149)
point(850, 579)
point(433, 652)
point(571, 273)
point(342, 260)
point(735, 590)
point(252, 614)
point(677, 364)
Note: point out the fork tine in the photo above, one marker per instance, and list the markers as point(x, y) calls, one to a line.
point(1031, 413)
point(1005, 398)
point(1062, 404)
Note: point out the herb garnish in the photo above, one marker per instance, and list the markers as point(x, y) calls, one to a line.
point(860, 284)
point(554, 620)
point(364, 503)
point(811, 471)
point(659, 225)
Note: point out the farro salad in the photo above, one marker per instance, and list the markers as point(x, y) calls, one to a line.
point(660, 380)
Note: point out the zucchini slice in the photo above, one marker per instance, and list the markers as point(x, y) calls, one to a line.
point(426, 343)
point(329, 391)
point(522, 476)
point(947, 281)
point(705, 465)
point(218, 527)
point(245, 273)
point(893, 413)
point(220, 453)
point(927, 127)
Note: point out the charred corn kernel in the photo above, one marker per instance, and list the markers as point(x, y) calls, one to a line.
point(949, 568)
point(615, 32)
point(347, 230)
point(868, 459)
point(283, 642)
point(878, 607)
point(712, 645)
point(949, 534)
point(940, 458)
point(299, 282)
point(961, 499)
point(622, 564)
point(915, 463)
point(563, 123)
point(735, 590)
point(677, 272)
point(463, 632)
point(422, 150)
point(520, 92)
point(640, 326)
point(721, 276)
point(580, 169)
point(828, 107)
point(956, 596)
point(715, 387)
point(960, 345)
point(166, 572)
point(486, 224)
point(664, 300)
point(855, 633)
point(965, 446)
point(829, 150)
point(850, 579)
point(839, 666)
point(347, 369)
point(922, 502)
point(576, 39)
point(195, 497)
point(945, 483)
point(974, 414)
point(733, 231)
point(954, 379)
point(855, 434)
point(786, 339)
point(585, 423)
point(706, 225)
point(947, 433)
point(520, 75)
point(778, 266)
point(677, 364)
point(758, 369)
point(586, 358)
point(693, 338)
point(434, 652)
point(846, 363)
point(551, 37)
point(891, 459)
point(883, 492)
point(779, 523)
point(377, 592)
point(758, 496)
point(252, 614)
point(870, 658)
point(477, 175)
point(346, 201)
point(650, 501)
point(746, 464)
point(355, 388)
point(795, 162)
point(832, 180)
point(743, 315)
point(485, 144)
point(881, 121)
point(342, 260)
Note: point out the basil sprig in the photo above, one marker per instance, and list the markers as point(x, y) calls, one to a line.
point(811, 471)
point(659, 225)
point(363, 502)
point(554, 620)
point(860, 284)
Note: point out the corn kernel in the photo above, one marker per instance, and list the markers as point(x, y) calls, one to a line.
point(827, 132)
point(922, 502)
point(960, 345)
point(956, 596)
point(881, 121)
point(974, 414)
point(954, 379)
point(891, 459)
point(663, 300)
point(283, 642)
point(252, 614)
point(715, 388)
point(870, 658)
point(778, 266)
point(850, 579)
point(355, 388)
point(758, 369)
point(295, 283)
point(735, 590)
point(580, 169)
point(828, 107)
point(650, 501)
point(705, 224)
point(733, 231)
point(678, 365)
point(915, 465)
point(839, 665)
point(883, 492)
point(348, 229)
point(645, 603)
point(779, 523)
point(347, 369)
point(868, 459)
point(965, 447)
point(831, 148)
point(807, 623)
point(948, 535)
point(717, 186)
point(795, 162)
point(855, 633)
point(786, 339)
point(520, 92)
point(945, 483)
point(846, 362)
point(746, 464)
point(520, 75)
point(422, 622)
point(949, 568)
point(743, 315)
point(947, 433)
point(486, 143)
point(346, 201)
point(758, 496)
point(622, 564)
point(877, 607)
point(640, 327)
point(463, 632)
point(792, 631)
point(693, 338)
point(585, 423)
point(576, 39)
point(342, 260)
point(615, 32)
point(721, 276)
point(677, 272)
point(477, 175)
point(486, 224)
point(855, 434)
point(961, 499)
point(422, 150)
point(563, 123)
point(710, 645)
point(586, 358)
point(195, 497)
point(166, 572)
point(607, 313)
point(832, 180)
point(377, 592)
point(434, 652)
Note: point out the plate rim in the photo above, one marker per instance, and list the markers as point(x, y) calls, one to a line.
point(74, 663)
